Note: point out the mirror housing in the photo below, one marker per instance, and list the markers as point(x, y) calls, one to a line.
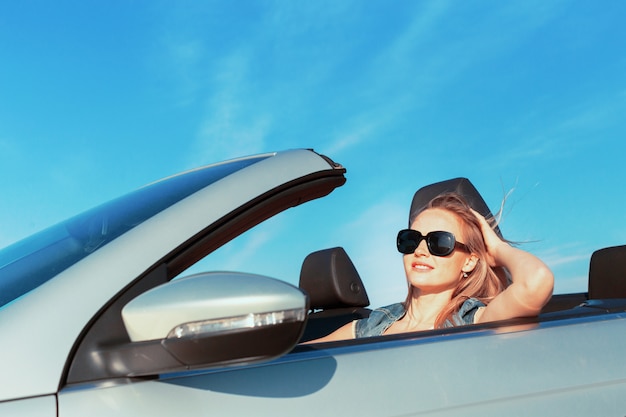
point(208, 320)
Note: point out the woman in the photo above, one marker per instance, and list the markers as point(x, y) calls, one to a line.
point(451, 259)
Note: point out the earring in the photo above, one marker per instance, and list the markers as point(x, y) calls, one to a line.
point(465, 275)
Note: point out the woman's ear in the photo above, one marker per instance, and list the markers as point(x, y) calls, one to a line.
point(470, 263)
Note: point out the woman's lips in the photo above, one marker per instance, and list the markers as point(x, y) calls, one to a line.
point(421, 266)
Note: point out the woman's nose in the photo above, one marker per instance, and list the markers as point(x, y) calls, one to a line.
point(422, 248)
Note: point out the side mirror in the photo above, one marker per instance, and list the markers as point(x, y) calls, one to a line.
point(208, 320)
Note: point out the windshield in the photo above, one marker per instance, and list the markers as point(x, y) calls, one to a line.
point(30, 262)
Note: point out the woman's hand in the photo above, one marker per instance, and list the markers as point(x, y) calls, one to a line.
point(492, 241)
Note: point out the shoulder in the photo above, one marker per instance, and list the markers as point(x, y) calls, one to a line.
point(393, 311)
point(379, 320)
point(466, 313)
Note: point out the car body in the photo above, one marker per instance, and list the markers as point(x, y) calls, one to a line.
point(97, 321)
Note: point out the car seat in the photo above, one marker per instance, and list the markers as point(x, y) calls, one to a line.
point(607, 288)
point(461, 186)
point(607, 273)
point(336, 293)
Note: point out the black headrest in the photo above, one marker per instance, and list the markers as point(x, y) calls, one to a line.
point(607, 273)
point(461, 186)
point(331, 280)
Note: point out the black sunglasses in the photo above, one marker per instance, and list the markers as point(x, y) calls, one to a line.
point(439, 243)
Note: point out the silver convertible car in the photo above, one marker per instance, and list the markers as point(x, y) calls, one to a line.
point(98, 318)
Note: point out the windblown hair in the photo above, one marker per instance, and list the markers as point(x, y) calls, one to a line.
point(484, 282)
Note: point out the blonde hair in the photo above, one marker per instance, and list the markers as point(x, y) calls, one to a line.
point(483, 282)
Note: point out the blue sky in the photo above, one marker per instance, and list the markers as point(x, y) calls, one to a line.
point(99, 98)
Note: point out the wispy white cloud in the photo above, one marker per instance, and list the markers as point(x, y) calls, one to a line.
point(435, 49)
point(390, 82)
point(571, 284)
point(364, 128)
point(392, 77)
point(557, 260)
point(592, 113)
point(577, 126)
point(570, 265)
point(182, 57)
point(232, 124)
point(566, 253)
point(226, 133)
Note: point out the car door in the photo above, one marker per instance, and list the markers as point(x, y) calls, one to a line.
point(567, 367)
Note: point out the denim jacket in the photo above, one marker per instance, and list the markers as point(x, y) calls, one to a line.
point(381, 318)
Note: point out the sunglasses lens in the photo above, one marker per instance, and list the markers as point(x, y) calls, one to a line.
point(408, 240)
point(440, 243)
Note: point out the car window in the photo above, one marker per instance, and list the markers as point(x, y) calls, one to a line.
point(276, 247)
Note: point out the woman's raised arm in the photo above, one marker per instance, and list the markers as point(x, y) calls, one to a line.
point(532, 280)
